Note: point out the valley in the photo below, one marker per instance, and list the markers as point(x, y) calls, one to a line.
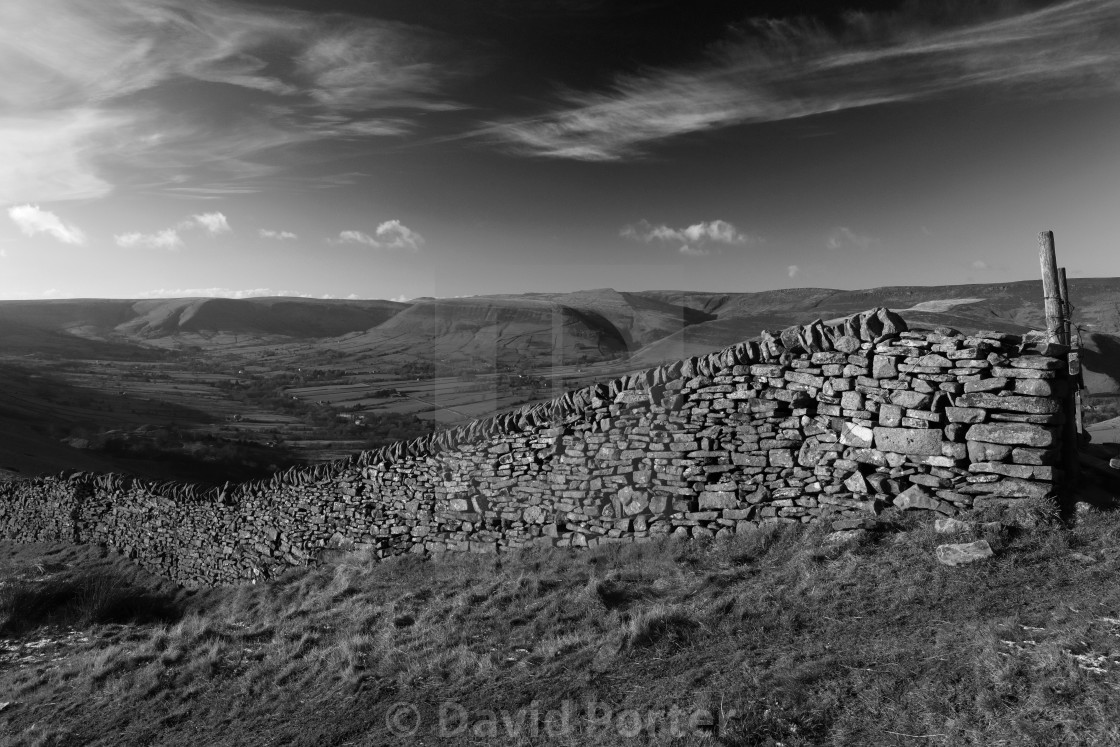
point(215, 390)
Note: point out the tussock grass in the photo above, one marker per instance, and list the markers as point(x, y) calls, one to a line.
point(778, 636)
point(85, 600)
point(673, 625)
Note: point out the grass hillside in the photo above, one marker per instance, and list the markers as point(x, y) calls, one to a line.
point(493, 329)
point(297, 318)
point(777, 637)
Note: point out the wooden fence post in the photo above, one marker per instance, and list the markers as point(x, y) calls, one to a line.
point(1067, 308)
point(1074, 342)
point(1051, 286)
point(1055, 293)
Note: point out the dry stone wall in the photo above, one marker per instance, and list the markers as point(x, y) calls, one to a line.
point(822, 422)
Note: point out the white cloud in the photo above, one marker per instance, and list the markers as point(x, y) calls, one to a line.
point(717, 230)
point(266, 233)
point(778, 70)
point(167, 239)
point(980, 265)
point(219, 293)
point(49, 293)
point(793, 271)
point(354, 237)
point(32, 220)
point(214, 223)
point(845, 238)
point(695, 239)
point(392, 234)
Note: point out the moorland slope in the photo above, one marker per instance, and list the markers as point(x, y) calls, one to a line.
point(776, 636)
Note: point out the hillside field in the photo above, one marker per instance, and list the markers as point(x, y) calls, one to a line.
point(781, 636)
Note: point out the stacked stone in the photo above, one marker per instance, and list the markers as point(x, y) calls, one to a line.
point(823, 422)
point(935, 421)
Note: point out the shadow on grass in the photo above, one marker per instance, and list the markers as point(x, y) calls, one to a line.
point(88, 600)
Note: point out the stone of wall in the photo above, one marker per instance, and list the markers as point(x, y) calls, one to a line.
point(821, 422)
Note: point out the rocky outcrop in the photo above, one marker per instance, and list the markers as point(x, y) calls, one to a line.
point(821, 422)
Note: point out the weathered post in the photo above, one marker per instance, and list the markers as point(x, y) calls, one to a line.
point(1055, 294)
point(1076, 381)
point(1051, 286)
point(1067, 308)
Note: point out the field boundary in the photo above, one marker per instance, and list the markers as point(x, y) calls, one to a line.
point(824, 422)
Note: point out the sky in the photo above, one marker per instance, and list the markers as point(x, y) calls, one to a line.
point(406, 148)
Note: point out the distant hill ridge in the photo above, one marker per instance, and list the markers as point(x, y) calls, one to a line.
point(1097, 301)
point(547, 328)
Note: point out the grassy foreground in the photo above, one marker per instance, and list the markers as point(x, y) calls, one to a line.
point(778, 637)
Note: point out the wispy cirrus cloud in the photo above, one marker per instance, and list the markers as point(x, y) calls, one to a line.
point(779, 70)
point(842, 237)
point(88, 101)
point(356, 69)
point(266, 233)
point(392, 234)
point(696, 240)
point(49, 155)
point(169, 239)
point(32, 220)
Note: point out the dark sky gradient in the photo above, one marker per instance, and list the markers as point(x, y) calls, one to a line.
point(400, 148)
